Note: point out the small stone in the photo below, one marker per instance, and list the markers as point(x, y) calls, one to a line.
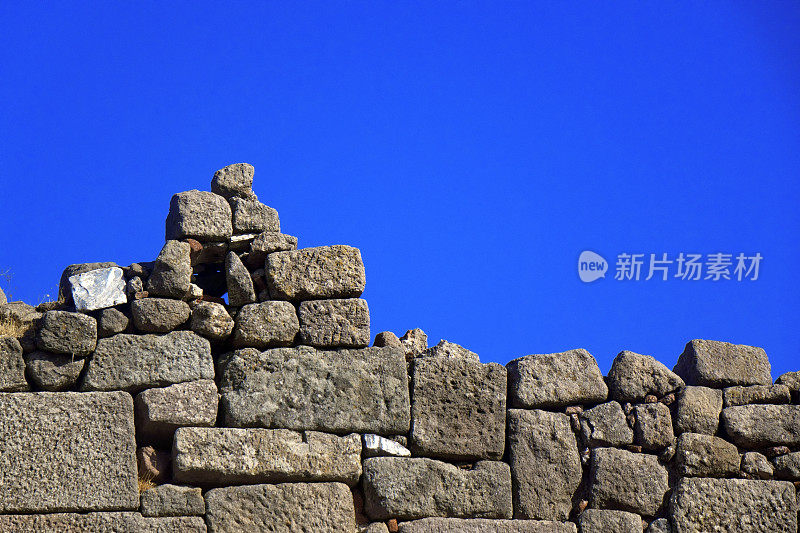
point(414, 341)
point(212, 321)
point(153, 464)
point(722, 364)
point(67, 333)
point(603, 521)
point(172, 273)
point(775, 451)
point(135, 286)
point(141, 270)
point(251, 216)
point(391, 526)
point(752, 394)
point(12, 366)
point(450, 349)
point(701, 455)
point(267, 243)
point(387, 338)
point(653, 428)
point(173, 500)
point(199, 215)
point(622, 480)
point(240, 284)
point(634, 448)
point(791, 380)
point(316, 273)
point(669, 399)
point(64, 287)
point(633, 376)
point(195, 292)
point(377, 446)
point(760, 426)
point(234, 181)
point(159, 412)
point(54, 372)
point(573, 410)
point(159, 315)
point(756, 465)
point(698, 410)
point(335, 323)
point(23, 319)
point(650, 398)
point(667, 454)
point(266, 325)
point(98, 289)
point(787, 466)
point(659, 525)
point(213, 252)
point(110, 322)
point(582, 505)
point(605, 425)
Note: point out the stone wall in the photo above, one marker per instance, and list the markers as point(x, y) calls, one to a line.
point(142, 400)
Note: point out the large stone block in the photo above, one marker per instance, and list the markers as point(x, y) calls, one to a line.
point(64, 287)
point(159, 315)
point(251, 216)
point(545, 464)
point(787, 466)
point(172, 272)
point(199, 215)
point(67, 451)
point(284, 508)
point(267, 243)
point(67, 333)
point(98, 289)
point(699, 505)
point(760, 426)
point(407, 489)
point(116, 522)
point(699, 455)
point(484, 525)
point(698, 410)
point(339, 323)
point(625, 481)
point(459, 409)
point(555, 380)
point(234, 181)
point(777, 394)
point(137, 362)
point(316, 273)
point(653, 426)
point(301, 388)
point(53, 372)
point(604, 521)
point(159, 412)
point(633, 376)
point(605, 425)
point(791, 380)
point(173, 500)
point(266, 325)
point(12, 366)
point(722, 364)
point(230, 456)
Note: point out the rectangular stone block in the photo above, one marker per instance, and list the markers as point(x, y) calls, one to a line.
point(173, 500)
point(159, 412)
point(229, 456)
point(67, 451)
point(625, 481)
point(761, 426)
point(116, 522)
point(722, 364)
point(338, 323)
point(316, 273)
point(301, 388)
point(777, 394)
point(482, 525)
point(200, 215)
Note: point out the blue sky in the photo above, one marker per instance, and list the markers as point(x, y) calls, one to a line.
point(471, 150)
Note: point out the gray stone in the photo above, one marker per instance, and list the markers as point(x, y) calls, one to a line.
point(316, 273)
point(240, 284)
point(340, 391)
point(67, 333)
point(159, 412)
point(110, 322)
point(234, 181)
point(699, 504)
point(12, 366)
point(211, 252)
point(20, 320)
point(67, 451)
point(377, 446)
point(334, 323)
point(791, 380)
point(172, 273)
point(698, 410)
point(634, 482)
point(229, 456)
point(605, 425)
point(459, 409)
point(415, 341)
point(269, 242)
point(756, 465)
point(545, 464)
point(776, 394)
point(212, 320)
point(199, 215)
point(159, 315)
point(173, 500)
point(266, 325)
point(604, 521)
point(451, 350)
point(787, 466)
point(410, 488)
point(374, 527)
point(760, 426)
point(483, 525)
point(53, 372)
point(659, 525)
point(722, 364)
point(284, 508)
point(653, 427)
point(387, 339)
point(633, 376)
point(699, 455)
point(64, 287)
point(251, 216)
point(555, 380)
point(116, 522)
point(98, 289)
point(137, 362)
point(135, 286)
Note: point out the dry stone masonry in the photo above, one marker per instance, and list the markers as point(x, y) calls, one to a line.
point(230, 386)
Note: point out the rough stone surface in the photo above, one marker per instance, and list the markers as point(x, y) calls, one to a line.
point(137, 362)
point(316, 273)
point(756, 465)
point(777, 394)
point(173, 500)
point(154, 464)
point(251, 216)
point(228, 456)
point(625, 481)
point(698, 410)
point(159, 412)
point(212, 321)
point(451, 350)
point(334, 323)
point(787, 466)
point(240, 284)
point(284, 508)
point(407, 489)
point(659, 525)
point(67, 451)
point(53, 372)
point(23, 320)
point(760, 426)
point(387, 339)
point(98, 289)
point(555, 380)
point(791, 380)
point(267, 243)
point(110, 322)
point(415, 341)
point(116, 522)
point(722, 364)
point(159, 315)
point(234, 181)
point(199, 215)
point(653, 427)
point(699, 455)
point(172, 273)
point(12, 366)
point(699, 505)
point(377, 446)
point(266, 325)
point(633, 376)
point(64, 287)
point(459, 409)
point(604, 521)
point(483, 525)
point(545, 464)
point(67, 333)
point(605, 425)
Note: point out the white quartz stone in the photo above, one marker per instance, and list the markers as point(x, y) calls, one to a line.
point(98, 289)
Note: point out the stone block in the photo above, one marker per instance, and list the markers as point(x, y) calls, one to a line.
point(698, 410)
point(172, 271)
point(200, 215)
point(787, 466)
point(450, 350)
point(117, 522)
point(722, 364)
point(484, 525)
point(377, 446)
point(24, 321)
point(173, 500)
point(776, 394)
point(240, 284)
point(98, 289)
point(653, 427)
point(625, 481)
point(110, 322)
point(67, 333)
point(761, 426)
point(53, 372)
point(211, 320)
point(266, 325)
point(318, 273)
point(338, 323)
point(605, 425)
point(605, 521)
point(12, 366)
point(699, 455)
point(64, 287)
point(159, 412)
point(633, 376)
point(159, 315)
point(234, 181)
point(251, 216)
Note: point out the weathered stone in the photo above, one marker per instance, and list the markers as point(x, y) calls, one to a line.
point(67, 451)
point(699, 455)
point(316, 273)
point(377, 446)
point(117, 522)
point(340, 391)
point(64, 287)
point(334, 323)
point(545, 464)
point(173, 500)
point(284, 508)
point(387, 339)
point(555, 380)
point(776, 394)
point(234, 181)
point(137, 362)
point(787, 466)
point(756, 465)
point(135, 286)
point(200, 215)
point(699, 505)
point(659, 525)
point(98, 289)
point(605, 425)
point(110, 322)
point(459, 409)
point(450, 350)
point(484, 525)
point(12, 366)
point(20, 320)
point(633, 376)
point(172, 273)
point(722, 364)
point(159, 412)
point(374, 527)
point(153, 464)
point(415, 341)
point(240, 284)
point(267, 243)
point(604, 521)
point(791, 380)
point(760, 426)
point(626, 481)
point(159, 315)
point(407, 489)
point(698, 410)
point(212, 252)
point(266, 325)
point(251, 216)
point(212, 320)
point(653, 427)
point(67, 333)
point(53, 372)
